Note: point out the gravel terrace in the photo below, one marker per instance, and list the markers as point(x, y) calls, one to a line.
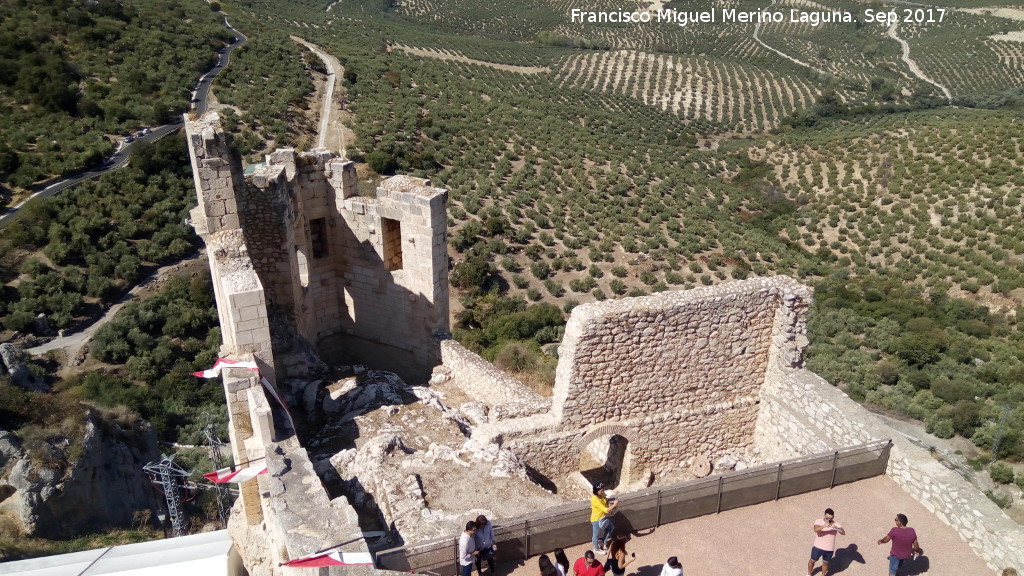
point(775, 538)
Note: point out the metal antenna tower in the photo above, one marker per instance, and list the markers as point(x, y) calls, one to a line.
point(218, 462)
point(168, 477)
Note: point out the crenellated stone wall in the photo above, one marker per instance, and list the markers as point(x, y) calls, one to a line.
point(360, 279)
point(678, 375)
point(300, 261)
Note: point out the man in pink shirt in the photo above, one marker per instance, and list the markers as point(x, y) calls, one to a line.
point(825, 530)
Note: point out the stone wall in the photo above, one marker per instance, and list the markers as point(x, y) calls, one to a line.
point(338, 272)
point(677, 374)
point(481, 381)
point(802, 414)
point(398, 298)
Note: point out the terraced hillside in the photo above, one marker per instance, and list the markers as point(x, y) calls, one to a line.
point(588, 161)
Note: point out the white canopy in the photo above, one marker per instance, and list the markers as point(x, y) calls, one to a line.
point(205, 554)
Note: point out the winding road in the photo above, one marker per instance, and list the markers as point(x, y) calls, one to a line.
point(120, 158)
point(74, 342)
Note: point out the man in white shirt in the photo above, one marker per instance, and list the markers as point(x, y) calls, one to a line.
point(467, 550)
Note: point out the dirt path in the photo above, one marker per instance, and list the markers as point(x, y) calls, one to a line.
point(457, 58)
point(757, 30)
point(334, 133)
point(913, 65)
point(73, 343)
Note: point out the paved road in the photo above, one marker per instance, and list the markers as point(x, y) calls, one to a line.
point(120, 158)
point(202, 91)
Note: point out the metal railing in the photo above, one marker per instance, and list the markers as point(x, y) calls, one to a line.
point(569, 525)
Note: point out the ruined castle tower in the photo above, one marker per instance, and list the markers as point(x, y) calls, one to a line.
point(301, 261)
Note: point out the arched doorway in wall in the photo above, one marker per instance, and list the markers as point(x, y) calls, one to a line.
point(605, 458)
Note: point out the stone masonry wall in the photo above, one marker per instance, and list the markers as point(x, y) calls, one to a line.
point(402, 307)
point(802, 414)
point(484, 383)
point(349, 275)
point(678, 374)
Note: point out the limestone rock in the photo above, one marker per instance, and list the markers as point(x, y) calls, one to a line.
point(509, 466)
point(440, 375)
point(475, 411)
point(10, 448)
point(432, 399)
point(42, 325)
point(21, 376)
point(725, 463)
point(309, 394)
point(369, 391)
point(102, 488)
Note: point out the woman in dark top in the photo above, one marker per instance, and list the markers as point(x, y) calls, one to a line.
point(561, 561)
point(618, 559)
point(546, 567)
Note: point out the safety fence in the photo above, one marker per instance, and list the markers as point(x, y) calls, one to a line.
point(569, 525)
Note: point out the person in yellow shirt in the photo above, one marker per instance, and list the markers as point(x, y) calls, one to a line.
point(601, 511)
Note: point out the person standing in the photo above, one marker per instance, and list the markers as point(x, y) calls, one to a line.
point(467, 549)
point(618, 559)
point(825, 531)
point(588, 565)
point(601, 518)
point(561, 562)
point(672, 567)
point(904, 543)
point(485, 544)
point(545, 566)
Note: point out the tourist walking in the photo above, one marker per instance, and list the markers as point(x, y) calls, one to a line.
point(467, 549)
point(618, 558)
point(588, 565)
point(485, 544)
point(672, 567)
point(601, 510)
point(561, 562)
point(825, 531)
point(904, 543)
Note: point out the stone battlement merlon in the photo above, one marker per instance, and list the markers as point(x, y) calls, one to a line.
point(410, 185)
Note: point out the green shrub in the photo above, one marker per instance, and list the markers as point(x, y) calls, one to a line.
point(1001, 501)
point(1001, 472)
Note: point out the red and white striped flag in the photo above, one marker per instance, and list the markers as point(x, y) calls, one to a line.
point(332, 559)
point(241, 475)
point(223, 363)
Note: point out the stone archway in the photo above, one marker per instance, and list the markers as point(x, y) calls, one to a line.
point(605, 455)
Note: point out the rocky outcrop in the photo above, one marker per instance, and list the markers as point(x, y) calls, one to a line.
point(20, 374)
point(66, 486)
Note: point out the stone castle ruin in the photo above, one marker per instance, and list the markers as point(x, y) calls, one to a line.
point(342, 300)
